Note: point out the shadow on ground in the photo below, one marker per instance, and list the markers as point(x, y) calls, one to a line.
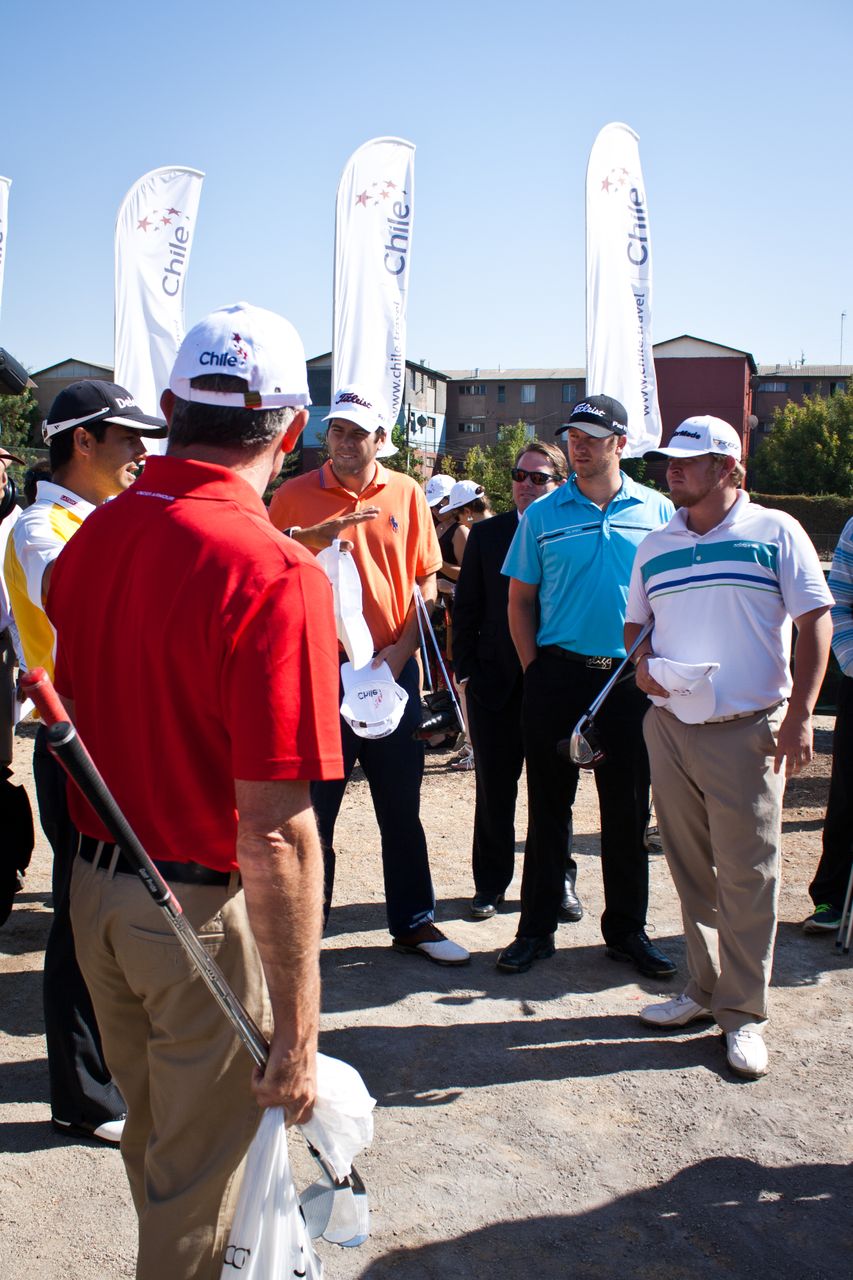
point(725, 1217)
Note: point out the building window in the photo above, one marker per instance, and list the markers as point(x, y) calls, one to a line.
point(836, 386)
point(530, 431)
point(570, 393)
point(472, 428)
point(807, 388)
point(773, 386)
point(473, 389)
point(501, 393)
point(528, 393)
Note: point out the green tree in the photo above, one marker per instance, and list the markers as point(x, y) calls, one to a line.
point(406, 459)
point(490, 466)
point(20, 417)
point(809, 450)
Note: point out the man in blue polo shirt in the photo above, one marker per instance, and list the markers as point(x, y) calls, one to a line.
point(569, 567)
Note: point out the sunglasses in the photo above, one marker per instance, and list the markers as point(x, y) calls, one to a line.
point(535, 477)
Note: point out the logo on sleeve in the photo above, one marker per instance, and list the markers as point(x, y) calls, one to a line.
point(392, 520)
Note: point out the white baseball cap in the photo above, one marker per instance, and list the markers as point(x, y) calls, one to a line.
point(463, 492)
point(692, 696)
point(699, 435)
point(373, 703)
point(437, 489)
point(246, 342)
point(357, 404)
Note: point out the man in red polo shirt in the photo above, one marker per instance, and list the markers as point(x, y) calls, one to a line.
point(395, 550)
point(198, 652)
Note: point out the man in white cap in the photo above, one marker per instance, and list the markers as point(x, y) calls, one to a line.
point(95, 434)
point(721, 582)
point(394, 553)
point(214, 637)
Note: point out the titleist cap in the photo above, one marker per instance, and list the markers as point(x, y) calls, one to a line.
point(82, 404)
point(245, 342)
point(598, 416)
point(359, 405)
point(703, 434)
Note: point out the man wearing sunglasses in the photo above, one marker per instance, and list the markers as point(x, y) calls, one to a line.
point(569, 567)
point(486, 662)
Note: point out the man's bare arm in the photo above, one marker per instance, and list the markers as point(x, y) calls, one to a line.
point(523, 623)
point(795, 746)
point(281, 864)
point(317, 537)
point(398, 654)
point(641, 661)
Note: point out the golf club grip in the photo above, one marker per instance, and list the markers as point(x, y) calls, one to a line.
point(37, 685)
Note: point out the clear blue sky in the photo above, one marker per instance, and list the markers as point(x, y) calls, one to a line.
point(744, 112)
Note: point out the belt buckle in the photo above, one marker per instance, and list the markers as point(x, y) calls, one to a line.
point(601, 664)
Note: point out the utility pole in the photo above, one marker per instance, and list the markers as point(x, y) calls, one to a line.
point(841, 345)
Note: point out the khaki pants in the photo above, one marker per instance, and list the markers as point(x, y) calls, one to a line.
point(719, 809)
point(184, 1075)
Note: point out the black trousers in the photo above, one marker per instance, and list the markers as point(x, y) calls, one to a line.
point(81, 1089)
point(497, 739)
point(833, 871)
point(394, 768)
point(556, 694)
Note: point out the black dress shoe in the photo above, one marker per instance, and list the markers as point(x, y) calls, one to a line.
point(648, 958)
point(485, 905)
point(571, 907)
point(520, 954)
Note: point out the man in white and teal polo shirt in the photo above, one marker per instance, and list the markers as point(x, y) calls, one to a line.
point(722, 582)
point(569, 566)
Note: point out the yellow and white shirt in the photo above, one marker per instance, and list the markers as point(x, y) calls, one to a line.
point(36, 540)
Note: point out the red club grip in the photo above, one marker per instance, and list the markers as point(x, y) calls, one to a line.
point(37, 685)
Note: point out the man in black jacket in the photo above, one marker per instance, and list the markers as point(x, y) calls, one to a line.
point(485, 661)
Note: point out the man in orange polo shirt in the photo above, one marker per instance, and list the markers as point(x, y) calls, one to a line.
point(394, 550)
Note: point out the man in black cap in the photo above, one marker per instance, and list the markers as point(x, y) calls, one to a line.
point(569, 567)
point(94, 434)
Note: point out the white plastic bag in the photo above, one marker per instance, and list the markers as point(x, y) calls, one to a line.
point(341, 1125)
point(353, 633)
point(268, 1239)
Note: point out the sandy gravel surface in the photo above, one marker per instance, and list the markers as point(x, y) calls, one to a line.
point(527, 1126)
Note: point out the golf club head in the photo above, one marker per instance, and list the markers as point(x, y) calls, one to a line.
point(584, 747)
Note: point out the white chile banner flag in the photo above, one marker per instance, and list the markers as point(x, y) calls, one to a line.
point(154, 236)
point(373, 240)
point(5, 184)
point(619, 358)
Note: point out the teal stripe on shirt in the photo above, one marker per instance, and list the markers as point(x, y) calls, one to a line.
point(736, 550)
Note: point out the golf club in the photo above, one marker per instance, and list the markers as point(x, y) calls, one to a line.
point(584, 747)
point(66, 745)
point(424, 620)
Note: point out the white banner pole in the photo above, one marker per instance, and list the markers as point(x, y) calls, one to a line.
point(374, 215)
point(5, 184)
point(154, 236)
point(620, 359)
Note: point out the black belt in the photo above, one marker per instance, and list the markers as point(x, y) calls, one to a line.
point(587, 659)
point(100, 854)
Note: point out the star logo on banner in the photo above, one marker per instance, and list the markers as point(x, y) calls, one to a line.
point(614, 181)
point(157, 219)
point(372, 198)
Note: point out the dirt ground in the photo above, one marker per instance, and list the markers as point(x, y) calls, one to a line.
point(527, 1126)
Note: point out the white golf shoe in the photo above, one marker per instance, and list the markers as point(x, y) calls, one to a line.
point(674, 1013)
point(746, 1052)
